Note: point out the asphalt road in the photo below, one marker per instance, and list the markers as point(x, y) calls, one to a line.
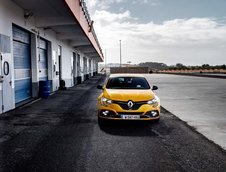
point(68, 138)
point(199, 101)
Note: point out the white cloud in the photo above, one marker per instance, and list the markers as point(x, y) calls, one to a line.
point(102, 4)
point(151, 2)
point(108, 18)
point(92, 3)
point(190, 41)
point(105, 4)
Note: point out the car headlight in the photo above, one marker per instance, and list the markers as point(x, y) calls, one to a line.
point(154, 102)
point(105, 101)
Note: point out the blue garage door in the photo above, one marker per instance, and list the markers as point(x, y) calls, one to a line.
point(43, 63)
point(22, 64)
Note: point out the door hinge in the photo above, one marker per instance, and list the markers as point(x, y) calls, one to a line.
point(2, 107)
point(1, 57)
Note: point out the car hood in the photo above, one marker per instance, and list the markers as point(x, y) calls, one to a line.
point(126, 95)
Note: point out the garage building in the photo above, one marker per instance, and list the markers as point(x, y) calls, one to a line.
point(44, 40)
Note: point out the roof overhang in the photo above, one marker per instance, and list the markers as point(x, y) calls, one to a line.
point(69, 19)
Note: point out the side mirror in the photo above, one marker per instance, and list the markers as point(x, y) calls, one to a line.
point(100, 87)
point(154, 87)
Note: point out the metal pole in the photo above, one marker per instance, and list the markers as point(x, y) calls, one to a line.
point(105, 61)
point(120, 53)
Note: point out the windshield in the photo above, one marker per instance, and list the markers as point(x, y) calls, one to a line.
point(127, 83)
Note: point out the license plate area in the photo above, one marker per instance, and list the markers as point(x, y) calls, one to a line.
point(130, 116)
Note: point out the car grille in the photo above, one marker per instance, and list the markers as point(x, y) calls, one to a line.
point(130, 113)
point(124, 105)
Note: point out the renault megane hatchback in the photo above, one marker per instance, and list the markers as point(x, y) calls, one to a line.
point(128, 97)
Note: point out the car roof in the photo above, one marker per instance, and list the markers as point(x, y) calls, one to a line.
point(126, 75)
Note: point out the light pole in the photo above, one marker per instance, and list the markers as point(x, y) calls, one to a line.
point(120, 51)
point(105, 61)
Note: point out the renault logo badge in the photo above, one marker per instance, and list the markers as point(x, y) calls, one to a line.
point(130, 104)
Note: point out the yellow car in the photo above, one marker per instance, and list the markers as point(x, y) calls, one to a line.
point(128, 97)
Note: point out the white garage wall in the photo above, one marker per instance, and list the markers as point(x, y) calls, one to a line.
point(66, 65)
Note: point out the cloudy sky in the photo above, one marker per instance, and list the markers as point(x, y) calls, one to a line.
point(192, 32)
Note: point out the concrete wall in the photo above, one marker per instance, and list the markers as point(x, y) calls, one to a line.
point(67, 55)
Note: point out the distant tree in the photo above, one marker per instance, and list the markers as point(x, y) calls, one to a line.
point(172, 67)
point(205, 66)
point(154, 65)
point(181, 66)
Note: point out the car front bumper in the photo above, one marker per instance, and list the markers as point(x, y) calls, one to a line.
point(144, 113)
point(119, 110)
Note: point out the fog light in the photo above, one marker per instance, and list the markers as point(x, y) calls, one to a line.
point(154, 113)
point(105, 113)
